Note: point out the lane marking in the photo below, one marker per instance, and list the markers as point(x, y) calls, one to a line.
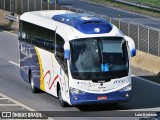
point(16, 103)
point(3, 99)
point(14, 63)
point(9, 105)
point(143, 79)
point(11, 33)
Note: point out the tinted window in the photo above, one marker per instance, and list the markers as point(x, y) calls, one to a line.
point(43, 38)
point(24, 31)
point(39, 36)
point(32, 33)
point(99, 58)
point(60, 53)
point(60, 43)
point(50, 40)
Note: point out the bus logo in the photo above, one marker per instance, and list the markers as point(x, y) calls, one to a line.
point(6, 115)
point(97, 30)
point(119, 81)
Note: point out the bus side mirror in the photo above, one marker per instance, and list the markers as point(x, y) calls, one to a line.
point(67, 54)
point(131, 45)
point(66, 50)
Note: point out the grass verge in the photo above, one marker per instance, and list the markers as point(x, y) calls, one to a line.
point(127, 7)
point(154, 3)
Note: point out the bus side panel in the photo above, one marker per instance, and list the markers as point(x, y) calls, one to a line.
point(29, 62)
point(52, 74)
point(47, 71)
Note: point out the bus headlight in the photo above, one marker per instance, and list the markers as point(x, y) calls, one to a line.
point(76, 91)
point(126, 88)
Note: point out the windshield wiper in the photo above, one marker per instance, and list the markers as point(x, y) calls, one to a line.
point(101, 50)
point(101, 54)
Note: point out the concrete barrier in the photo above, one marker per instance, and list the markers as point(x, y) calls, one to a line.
point(5, 21)
point(2, 20)
point(146, 62)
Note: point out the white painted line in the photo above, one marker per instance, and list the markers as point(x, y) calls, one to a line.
point(16, 102)
point(50, 118)
point(143, 79)
point(11, 33)
point(3, 99)
point(8, 105)
point(14, 63)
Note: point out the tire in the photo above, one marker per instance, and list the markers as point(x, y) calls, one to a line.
point(61, 101)
point(114, 104)
point(33, 88)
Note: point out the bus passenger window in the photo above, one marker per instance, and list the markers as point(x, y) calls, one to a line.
point(60, 52)
point(59, 44)
point(32, 33)
point(25, 31)
point(20, 30)
point(40, 38)
point(50, 40)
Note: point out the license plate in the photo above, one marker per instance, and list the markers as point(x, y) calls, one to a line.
point(102, 98)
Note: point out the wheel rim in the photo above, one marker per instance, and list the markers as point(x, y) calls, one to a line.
point(32, 83)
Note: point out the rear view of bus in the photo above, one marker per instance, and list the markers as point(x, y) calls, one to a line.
point(97, 61)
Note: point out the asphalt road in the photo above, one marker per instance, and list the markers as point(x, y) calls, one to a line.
point(146, 96)
point(113, 12)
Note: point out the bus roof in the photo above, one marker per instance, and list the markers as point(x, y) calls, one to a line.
point(79, 24)
point(85, 23)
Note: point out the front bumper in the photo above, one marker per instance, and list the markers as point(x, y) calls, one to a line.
point(92, 98)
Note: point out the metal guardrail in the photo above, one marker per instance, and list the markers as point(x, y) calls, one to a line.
point(147, 39)
point(10, 16)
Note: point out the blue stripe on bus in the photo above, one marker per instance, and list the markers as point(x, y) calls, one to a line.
point(92, 98)
point(29, 61)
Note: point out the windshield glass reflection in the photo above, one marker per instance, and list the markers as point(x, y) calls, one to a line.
point(101, 58)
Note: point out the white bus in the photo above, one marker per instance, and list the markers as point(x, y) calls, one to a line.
point(78, 58)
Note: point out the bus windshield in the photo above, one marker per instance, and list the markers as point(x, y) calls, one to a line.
point(99, 58)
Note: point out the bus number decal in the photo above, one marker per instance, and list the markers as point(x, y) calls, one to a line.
point(104, 67)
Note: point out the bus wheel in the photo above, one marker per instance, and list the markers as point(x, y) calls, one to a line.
point(114, 104)
point(61, 101)
point(33, 88)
